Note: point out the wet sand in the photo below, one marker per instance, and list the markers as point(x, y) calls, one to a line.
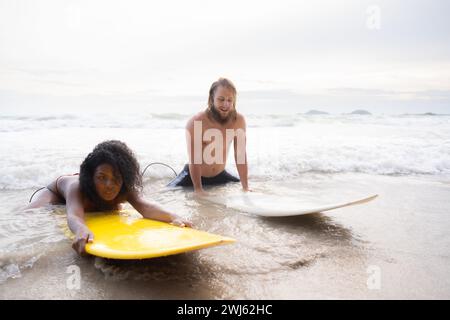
point(395, 247)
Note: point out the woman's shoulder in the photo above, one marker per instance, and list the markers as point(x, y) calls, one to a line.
point(67, 182)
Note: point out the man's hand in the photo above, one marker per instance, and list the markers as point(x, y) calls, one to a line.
point(201, 193)
point(83, 236)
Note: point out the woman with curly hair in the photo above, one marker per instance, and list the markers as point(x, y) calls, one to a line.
point(109, 176)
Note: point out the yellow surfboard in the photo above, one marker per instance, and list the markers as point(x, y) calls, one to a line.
point(124, 235)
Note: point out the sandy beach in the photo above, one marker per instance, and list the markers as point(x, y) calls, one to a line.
point(400, 239)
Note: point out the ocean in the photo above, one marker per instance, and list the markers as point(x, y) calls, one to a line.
point(401, 237)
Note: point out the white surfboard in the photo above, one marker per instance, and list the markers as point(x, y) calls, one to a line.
point(277, 206)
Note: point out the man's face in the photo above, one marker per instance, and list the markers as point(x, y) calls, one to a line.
point(224, 102)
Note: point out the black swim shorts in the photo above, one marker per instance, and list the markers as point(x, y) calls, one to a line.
point(184, 179)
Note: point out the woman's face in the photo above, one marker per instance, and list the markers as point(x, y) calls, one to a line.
point(107, 182)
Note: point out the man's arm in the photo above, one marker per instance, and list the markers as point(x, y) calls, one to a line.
point(240, 151)
point(195, 170)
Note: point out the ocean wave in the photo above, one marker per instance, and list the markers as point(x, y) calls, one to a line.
point(99, 120)
point(170, 116)
point(279, 148)
point(281, 168)
point(9, 123)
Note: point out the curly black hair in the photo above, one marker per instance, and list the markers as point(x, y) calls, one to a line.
point(122, 159)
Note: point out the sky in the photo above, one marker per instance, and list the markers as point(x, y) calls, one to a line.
point(283, 56)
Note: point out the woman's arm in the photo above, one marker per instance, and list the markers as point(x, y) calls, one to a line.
point(152, 211)
point(75, 218)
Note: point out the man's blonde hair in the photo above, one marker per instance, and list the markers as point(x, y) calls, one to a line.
point(224, 82)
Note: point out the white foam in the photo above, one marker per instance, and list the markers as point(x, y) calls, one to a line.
point(37, 149)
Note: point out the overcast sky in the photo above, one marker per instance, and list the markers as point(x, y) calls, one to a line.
point(384, 56)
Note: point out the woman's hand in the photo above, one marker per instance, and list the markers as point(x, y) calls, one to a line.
point(82, 237)
point(179, 222)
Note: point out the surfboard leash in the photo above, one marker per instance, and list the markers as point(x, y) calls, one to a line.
point(35, 193)
point(160, 163)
